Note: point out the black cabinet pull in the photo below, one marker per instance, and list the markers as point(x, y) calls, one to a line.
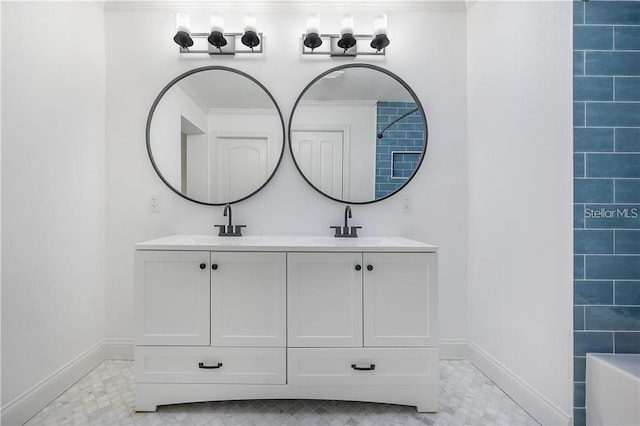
point(369, 267)
point(369, 368)
point(209, 367)
point(203, 265)
point(358, 267)
point(214, 266)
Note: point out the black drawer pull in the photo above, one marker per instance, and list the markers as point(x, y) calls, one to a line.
point(214, 266)
point(209, 367)
point(369, 267)
point(358, 267)
point(203, 265)
point(369, 368)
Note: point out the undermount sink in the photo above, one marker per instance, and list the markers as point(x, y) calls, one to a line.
point(285, 243)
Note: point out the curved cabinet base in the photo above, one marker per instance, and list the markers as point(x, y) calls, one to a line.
point(149, 396)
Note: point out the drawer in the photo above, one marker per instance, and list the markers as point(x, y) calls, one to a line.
point(161, 364)
point(363, 366)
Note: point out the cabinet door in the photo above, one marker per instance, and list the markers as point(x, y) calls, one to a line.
point(400, 299)
point(172, 297)
point(324, 299)
point(248, 299)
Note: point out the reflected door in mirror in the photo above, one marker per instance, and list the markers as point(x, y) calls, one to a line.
point(320, 156)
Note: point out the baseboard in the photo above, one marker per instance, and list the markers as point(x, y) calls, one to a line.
point(454, 349)
point(539, 407)
point(119, 348)
point(21, 409)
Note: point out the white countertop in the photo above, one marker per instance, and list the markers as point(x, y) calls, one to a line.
point(286, 243)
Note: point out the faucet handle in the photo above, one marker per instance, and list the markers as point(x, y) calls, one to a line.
point(338, 230)
point(222, 229)
point(354, 230)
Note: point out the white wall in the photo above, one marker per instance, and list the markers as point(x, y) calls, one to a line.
point(520, 200)
point(53, 189)
point(136, 72)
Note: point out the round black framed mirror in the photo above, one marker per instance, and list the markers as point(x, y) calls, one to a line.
point(358, 133)
point(215, 135)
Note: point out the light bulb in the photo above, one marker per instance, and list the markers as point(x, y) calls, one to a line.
point(380, 24)
point(346, 25)
point(250, 23)
point(313, 24)
point(183, 22)
point(217, 23)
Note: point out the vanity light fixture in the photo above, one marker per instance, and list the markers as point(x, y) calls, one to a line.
point(217, 42)
point(380, 40)
point(312, 38)
point(183, 31)
point(346, 42)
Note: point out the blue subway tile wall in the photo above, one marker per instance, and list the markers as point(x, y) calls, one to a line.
point(606, 87)
point(399, 151)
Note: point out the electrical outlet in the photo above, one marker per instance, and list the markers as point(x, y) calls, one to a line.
point(406, 207)
point(154, 204)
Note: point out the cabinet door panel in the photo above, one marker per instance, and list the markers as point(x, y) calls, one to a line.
point(248, 299)
point(172, 298)
point(400, 299)
point(324, 299)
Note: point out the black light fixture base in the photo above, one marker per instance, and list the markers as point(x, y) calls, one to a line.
point(183, 39)
point(250, 39)
point(347, 41)
point(216, 39)
point(379, 42)
point(312, 40)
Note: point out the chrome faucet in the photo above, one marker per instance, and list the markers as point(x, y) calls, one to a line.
point(229, 230)
point(346, 230)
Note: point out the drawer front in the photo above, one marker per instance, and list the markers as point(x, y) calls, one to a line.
point(225, 365)
point(363, 366)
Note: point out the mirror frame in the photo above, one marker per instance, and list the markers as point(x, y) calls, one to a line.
point(169, 86)
point(407, 88)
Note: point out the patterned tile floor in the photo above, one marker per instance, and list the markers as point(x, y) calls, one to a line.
point(106, 396)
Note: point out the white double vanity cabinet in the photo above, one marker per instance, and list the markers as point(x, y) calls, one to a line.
point(221, 318)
